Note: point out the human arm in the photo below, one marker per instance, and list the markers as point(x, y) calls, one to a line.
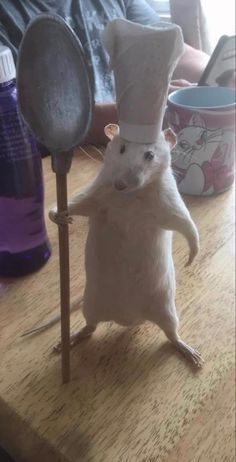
point(191, 65)
point(105, 114)
point(188, 70)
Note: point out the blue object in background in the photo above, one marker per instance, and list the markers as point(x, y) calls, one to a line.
point(24, 246)
point(87, 18)
point(204, 97)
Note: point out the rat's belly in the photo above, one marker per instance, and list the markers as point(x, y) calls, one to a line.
point(124, 273)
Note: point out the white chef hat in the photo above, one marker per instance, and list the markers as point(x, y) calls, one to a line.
point(143, 59)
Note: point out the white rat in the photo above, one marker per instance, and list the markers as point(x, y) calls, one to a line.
point(133, 205)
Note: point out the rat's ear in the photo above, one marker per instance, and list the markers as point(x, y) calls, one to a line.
point(170, 137)
point(111, 130)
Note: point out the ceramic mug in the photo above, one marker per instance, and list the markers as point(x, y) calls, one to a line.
point(203, 119)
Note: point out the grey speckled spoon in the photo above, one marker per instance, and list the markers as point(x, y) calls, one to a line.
point(55, 95)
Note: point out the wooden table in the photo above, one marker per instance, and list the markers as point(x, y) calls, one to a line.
point(131, 398)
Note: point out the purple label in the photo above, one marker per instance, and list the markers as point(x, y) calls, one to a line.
point(15, 144)
point(21, 224)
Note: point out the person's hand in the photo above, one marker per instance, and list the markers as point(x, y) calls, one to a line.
point(177, 84)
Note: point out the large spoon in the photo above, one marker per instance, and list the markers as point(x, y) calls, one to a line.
point(55, 95)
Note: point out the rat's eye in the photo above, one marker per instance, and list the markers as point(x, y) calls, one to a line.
point(148, 155)
point(122, 149)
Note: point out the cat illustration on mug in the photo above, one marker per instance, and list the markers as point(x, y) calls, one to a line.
point(203, 159)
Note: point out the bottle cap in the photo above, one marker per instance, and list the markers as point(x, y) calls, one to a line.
point(7, 65)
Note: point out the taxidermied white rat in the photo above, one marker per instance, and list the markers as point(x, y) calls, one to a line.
point(133, 206)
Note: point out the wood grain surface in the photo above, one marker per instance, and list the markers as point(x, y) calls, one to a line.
point(132, 398)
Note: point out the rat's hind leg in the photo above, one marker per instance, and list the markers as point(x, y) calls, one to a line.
point(189, 352)
point(83, 333)
point(167, 320)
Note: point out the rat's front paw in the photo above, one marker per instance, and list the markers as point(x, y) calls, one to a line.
point(60, 218)
point(193, 252)
point(192, 255)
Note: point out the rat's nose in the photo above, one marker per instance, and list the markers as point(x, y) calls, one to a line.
point(120, 185)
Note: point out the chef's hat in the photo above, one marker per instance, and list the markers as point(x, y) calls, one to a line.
point(143, 59)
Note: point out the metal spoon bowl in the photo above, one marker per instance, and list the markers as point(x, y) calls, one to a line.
point(55, 87)
point(55, 95)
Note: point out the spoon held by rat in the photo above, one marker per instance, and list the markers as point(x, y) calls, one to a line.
point(55, 94)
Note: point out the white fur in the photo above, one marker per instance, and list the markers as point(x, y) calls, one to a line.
point(129, 267)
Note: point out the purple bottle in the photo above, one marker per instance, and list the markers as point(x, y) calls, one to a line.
point(24, 246)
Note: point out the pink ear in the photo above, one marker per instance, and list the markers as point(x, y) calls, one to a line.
point(197, 120)
point(170, 137)
point(111, 130)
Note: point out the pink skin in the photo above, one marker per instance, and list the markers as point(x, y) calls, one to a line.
point(178, 84)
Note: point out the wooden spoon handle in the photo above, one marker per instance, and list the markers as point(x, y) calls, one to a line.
point(61, 182)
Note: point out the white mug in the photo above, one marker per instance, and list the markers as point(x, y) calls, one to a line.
point(203, 119)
